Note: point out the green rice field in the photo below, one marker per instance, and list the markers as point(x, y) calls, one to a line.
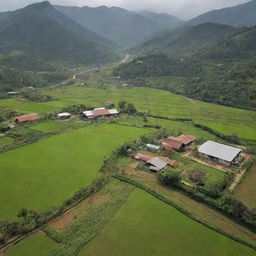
point(247, 189)
point(4, 141)
point(36, 245)
point(158, 102)
point(145, 226)
point(44, 174)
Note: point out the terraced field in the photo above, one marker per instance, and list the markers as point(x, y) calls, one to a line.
point(44, 174)
point(224, 119)
point(147, 226)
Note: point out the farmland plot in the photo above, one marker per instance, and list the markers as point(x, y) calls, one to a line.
point(147, 226)
point(44, 174)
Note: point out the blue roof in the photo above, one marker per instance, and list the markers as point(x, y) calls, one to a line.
point(150, 146)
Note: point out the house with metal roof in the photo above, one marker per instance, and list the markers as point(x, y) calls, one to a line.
point(220, 153)
point(64, 115)
point(156, 164)
point(100, 112)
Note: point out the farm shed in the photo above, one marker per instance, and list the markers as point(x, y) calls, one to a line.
point(220, 153)
point(156, 165)
point(100, 112)
point(12, 93)
point(64, 115)
point(177, 143)
point(27, 118)
point(155, 161)
point(144, 156)
point(152, 147)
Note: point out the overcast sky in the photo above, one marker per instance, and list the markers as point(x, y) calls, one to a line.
point(182, 8)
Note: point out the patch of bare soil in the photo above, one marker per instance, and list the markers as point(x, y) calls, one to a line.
point(79, 211)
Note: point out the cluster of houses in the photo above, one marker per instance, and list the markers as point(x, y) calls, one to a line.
point(210, 150)
point(89, 115)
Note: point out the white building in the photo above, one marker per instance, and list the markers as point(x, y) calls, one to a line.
point(220, 153)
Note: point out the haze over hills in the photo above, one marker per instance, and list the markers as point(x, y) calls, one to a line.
point(124, 27)
point(237, 16)
point(241, 45)
point(186, 40)
point(39, 30)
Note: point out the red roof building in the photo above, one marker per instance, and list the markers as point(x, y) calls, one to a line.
point(28, 118)
point(177, 143)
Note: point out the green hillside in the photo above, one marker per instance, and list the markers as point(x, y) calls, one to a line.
point(240, 45)
point(231, 84)
point(185, 41)
point(42, 32)
point(237, 16)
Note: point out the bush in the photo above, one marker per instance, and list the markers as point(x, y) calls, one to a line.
point(170, 178)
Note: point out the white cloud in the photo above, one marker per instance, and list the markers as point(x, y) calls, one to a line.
point(182, 8)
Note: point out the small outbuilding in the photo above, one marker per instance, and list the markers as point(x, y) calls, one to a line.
point(152, 147)
point(156, 165)
point(64, 115)
point(27, 118)
point(12, 93)
point(220, 153)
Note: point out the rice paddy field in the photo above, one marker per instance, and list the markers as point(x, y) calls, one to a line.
point(147, 226)
point(44, 174)
point(247, 189)
point(4, 141)
point(158, 102)
point(36, 245)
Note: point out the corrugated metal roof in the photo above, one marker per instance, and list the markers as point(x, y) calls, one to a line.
point(220, 151)
point(88, 113)
point(65, 114)
point(113, 112)
point(150, 146)
point(100, 112)
point(157, 163)
point(99, 108)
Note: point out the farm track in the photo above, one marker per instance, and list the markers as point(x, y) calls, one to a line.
point(238, 177)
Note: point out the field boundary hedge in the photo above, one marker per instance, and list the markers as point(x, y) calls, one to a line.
point(188, 214)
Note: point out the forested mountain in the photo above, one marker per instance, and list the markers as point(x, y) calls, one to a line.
point(164, 20)
point(240, 45)
point(42, 32)
point(121, 26)
point(223, 73)
point(237, 16)
point(185, 41)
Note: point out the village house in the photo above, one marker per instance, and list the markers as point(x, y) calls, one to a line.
point(220, 153)
point(154, 162)
point(12, 93)
point(64, 115)
point(177, 143)
point(27, 118)
point(100, 112)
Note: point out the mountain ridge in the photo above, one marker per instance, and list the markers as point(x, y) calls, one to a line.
point(124, 27)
